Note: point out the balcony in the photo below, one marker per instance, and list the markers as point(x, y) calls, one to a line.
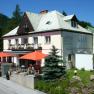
point(25, 47)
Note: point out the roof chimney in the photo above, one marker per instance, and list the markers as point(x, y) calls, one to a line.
point(43, 11)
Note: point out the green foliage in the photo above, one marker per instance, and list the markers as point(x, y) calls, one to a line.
point(82, 69)
point(3, 20)
point(3, 23)
point(84, 24)
point(7, 24)
point(17, 16)
point(84, 75)
point(52, 70)
point(1, 40)
point(53, 87)
point(68, 85)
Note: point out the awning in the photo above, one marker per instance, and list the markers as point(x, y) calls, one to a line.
point(37, 55)
point(5, 54)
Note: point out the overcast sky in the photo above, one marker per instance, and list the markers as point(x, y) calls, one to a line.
point(84, 9)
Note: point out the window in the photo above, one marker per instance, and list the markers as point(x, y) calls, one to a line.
point(16, 41)
point(48, 22)
point(47, 39)
point(26, 28)
point(35, 40)
point(73, 23)
point(69, 57)
point(24, 41)
point(9, 42)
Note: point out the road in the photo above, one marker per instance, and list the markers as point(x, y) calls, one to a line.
point(9, 87)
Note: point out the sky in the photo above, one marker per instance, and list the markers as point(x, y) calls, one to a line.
point(83, 9)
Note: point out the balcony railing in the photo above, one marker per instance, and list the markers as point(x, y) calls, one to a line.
point(25, 47)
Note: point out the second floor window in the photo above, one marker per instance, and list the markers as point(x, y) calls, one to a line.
point(47, 39)
point(16, 41)
point(35, 40)
point(24, 41)
point(9, 41)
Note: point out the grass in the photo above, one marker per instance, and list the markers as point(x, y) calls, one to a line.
point(61, 86)
point(83, 74)
point(50, 87)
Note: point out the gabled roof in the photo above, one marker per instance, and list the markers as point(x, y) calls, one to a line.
point(69, 17)
point(50, 21)
point(67, 26)
point(34, 19)
point(12, 32)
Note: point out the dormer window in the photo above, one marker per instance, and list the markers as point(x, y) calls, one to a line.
point(48, 22)
point(73, 23)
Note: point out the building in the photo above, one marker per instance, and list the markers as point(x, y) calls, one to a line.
point(92, 30)
point(41, 31)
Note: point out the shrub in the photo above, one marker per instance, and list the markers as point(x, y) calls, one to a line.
point(82, 69)
point(53, 87)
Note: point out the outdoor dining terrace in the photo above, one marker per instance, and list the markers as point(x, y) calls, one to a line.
point(31, 62)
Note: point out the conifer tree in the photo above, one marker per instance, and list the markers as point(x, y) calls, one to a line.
point(64, 13)
point(52, 70)
point(1, 42)
point(16, 18)
point(17, 14)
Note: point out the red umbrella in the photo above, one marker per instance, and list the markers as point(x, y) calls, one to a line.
point(6, 54)
point(37, 55)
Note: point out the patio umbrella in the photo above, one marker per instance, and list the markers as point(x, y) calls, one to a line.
point(37, 55)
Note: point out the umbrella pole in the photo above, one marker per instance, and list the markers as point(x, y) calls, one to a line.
point(7, 59)
point(1, 59)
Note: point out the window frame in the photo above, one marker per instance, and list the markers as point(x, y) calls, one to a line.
point(35, 40)
point(74, 24)
point(9, 41)
point(24, 40)
point(47, 39)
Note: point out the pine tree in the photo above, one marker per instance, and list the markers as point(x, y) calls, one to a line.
point(17, 14)
point(16, 18)
point(52, 70)
point(1, 42)
point(64, 13)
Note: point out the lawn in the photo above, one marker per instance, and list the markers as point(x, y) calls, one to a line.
point(84, 75)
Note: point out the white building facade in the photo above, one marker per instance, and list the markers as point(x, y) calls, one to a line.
point(42, 31)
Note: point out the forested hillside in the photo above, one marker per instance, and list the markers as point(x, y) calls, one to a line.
point(7, 24)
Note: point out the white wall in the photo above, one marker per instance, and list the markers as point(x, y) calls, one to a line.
point(46, 48)
point(5, 44)
point(84, 61)
point(93, 43)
